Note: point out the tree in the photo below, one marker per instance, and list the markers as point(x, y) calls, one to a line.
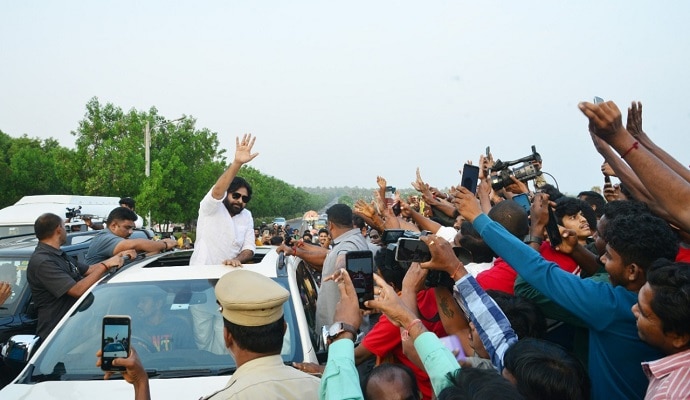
point(109, 161)
point(185, 161)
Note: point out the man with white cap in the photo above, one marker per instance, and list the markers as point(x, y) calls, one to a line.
point(254, 326)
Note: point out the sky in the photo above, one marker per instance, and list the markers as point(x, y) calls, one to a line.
point(337, 93)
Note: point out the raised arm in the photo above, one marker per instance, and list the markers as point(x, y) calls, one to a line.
point(243, 155)
point(422, 222)
point(145, 245)
point(438, 361)
point(634, 126)
point(492, 325)
point(670, 189)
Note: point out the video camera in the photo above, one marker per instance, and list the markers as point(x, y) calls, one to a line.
point(73, 212)
point(530, 169)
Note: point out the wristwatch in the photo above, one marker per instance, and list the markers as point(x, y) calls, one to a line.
point(533, 239)
point(340, 327)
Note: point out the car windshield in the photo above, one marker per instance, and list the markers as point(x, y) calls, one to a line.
point(177, 331)
point(13, 270)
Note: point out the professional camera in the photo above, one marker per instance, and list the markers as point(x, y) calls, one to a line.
point(530, 169)
point(72, 212)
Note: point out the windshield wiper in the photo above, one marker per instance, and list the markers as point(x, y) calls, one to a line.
point(187, 373)
point(82, 377)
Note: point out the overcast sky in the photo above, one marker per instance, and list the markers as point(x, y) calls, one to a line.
point(340, 92)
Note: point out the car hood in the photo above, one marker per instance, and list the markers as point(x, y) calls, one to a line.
point(180, 388)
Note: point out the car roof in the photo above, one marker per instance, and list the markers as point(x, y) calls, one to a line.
point(175, 266)
point(26, 244)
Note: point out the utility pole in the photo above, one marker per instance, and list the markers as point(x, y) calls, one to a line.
point(147, 154)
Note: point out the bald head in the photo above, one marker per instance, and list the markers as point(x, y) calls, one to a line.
point(391, 382)
point(511, 216)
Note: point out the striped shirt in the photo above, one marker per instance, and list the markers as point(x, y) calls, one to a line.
point(669, 377)
point(492, 325)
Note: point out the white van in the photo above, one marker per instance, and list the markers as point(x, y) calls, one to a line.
point(18, 219)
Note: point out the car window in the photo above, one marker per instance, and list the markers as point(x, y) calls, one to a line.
point(177, 330)
point(13, 270)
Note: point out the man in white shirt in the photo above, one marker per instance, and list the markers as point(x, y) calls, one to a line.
point(225, 229)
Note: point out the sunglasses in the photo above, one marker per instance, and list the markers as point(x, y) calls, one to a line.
point(245, 199)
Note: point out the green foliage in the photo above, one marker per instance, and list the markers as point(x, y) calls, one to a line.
point(272, 197)
point(109, 161)
point(347, 200)
point(30, 166)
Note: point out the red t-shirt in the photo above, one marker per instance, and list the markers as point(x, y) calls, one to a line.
point(683, 254)
point(384, 337)
point(564, 261)
point(502, 276)
point(499, 277)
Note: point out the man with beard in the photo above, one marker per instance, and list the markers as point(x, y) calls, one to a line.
point(225, 229)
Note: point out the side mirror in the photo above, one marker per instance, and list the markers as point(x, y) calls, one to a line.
point(19, 349)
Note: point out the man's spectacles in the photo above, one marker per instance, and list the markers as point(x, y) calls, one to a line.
point(245, 199)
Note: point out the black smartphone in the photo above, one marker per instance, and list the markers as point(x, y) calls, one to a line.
point(392, 235)
point(488, 151)
point(396, 208)
point(607, 179)
point(360, 266)
point(117, 333)
point(552, 230)
point(412, 250)
point(470, 177)
point(523, 200)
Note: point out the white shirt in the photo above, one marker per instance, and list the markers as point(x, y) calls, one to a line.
point(448, 233)
point(220, 237)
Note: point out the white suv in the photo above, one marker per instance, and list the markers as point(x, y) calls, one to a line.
point(191, 363)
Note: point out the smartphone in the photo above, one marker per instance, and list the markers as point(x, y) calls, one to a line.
point(390, 193)
point(523, 200)
point(396, 208)
point(117, 333)
point(392, 235)
point(470, 177)
point(598, 100)
point(452, 343)
point(360, 266)
point(488, 151)
point(552, 230)
point(412, 250)
point(607, 179)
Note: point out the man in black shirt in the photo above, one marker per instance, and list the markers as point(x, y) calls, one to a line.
point(55, 279)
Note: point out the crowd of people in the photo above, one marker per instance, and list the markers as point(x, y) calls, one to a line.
point(504, 307)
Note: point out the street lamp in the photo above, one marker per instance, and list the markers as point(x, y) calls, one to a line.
point(147, 152)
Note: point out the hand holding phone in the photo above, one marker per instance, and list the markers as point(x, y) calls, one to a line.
point(360, 267)
point(552, 230)
point(470, 176)
point(115, 340)
point(412, 250)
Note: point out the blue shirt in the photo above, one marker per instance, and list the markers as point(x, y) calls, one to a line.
point(615, 349)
